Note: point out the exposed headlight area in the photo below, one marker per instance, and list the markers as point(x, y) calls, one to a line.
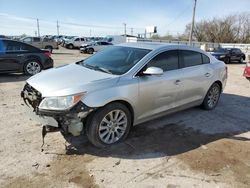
point(60, 103)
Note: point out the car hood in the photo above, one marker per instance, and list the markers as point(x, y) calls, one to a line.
point(69, 80)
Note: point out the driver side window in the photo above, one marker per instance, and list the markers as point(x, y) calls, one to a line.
point(167, 61)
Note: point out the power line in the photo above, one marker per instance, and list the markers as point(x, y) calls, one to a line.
point(125, 28)
point(38, 28)
point(192, 25)
point(57, 27)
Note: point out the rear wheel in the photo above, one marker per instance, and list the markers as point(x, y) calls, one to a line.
point(108, 125)
point(212, 97)
point(90, 50)
point(70, 46)
point(32, 67)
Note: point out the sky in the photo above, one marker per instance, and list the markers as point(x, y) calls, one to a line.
point(107, 17)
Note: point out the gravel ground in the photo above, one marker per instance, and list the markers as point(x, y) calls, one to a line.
point(192, 148)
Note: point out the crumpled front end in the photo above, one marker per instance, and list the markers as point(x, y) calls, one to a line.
point(67, 121)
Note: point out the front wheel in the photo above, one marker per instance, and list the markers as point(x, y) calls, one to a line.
point(212, 97)
point(108, 125)
point(241, 60)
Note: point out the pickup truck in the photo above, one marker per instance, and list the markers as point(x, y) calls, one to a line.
point(42, 43)
point(75, 42)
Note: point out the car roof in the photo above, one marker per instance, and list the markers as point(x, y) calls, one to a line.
point(158, 46)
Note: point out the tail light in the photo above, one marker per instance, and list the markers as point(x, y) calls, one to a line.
point(48, 54)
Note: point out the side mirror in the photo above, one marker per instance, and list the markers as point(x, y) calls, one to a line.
point(153, 71)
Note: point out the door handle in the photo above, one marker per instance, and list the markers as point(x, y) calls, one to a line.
point(177, 82)
point(207, 74)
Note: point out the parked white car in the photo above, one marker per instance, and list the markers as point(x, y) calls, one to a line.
point(94, 47)
point(75, 42)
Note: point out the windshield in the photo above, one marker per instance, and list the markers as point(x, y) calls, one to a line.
point(115, 60)
point(222, 50)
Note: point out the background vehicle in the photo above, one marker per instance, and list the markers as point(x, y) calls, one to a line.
point(20, 57)
point(125, 85)
point(95, 47)
point(75, 42)
point(229, 54)
point(42, 43)
point(65, 39)
point(118, 39)
point(247, 71)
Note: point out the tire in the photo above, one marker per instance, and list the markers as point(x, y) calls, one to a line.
point(212, 97)
point(32, 67)
point(241, 60)
point(50, 48)
point(99, 129)
point(90, 50)
point(227, 60)
point(70, 46)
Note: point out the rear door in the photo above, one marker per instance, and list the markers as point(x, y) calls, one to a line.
point(233, 53)
point(195, 78)
point(159, 93)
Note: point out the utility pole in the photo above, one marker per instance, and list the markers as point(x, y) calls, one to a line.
point(125, 28)
point(38, 28)
point(57, 27)
point(192, 25)
point(132, 31)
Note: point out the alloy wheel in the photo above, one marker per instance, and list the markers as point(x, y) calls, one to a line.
point(213, 96)
point(33, 67)
point(113, 126)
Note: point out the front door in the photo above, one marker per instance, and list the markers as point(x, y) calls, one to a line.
point(159, 93)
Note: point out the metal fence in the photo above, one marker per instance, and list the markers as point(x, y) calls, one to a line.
point(245, 48)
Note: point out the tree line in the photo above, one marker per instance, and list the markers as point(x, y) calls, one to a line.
point(229, 29)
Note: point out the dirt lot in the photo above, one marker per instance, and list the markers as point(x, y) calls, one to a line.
point(192, 148)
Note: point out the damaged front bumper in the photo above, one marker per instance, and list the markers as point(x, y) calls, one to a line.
point(67, 121)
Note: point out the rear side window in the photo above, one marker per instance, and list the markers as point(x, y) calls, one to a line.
point(12, 46)
point(36, 39)
point(190, 58)
point(205, 59)
point(166, 61)
point(77, 39)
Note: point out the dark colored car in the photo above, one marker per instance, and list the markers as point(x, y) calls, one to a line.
point(229, 54)
point(17, 56)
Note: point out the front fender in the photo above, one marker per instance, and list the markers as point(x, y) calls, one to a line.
point(127, 92)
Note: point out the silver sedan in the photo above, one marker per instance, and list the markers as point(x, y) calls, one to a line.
point(124, 85)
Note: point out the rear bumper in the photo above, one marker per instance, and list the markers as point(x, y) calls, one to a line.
point(49, 63)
